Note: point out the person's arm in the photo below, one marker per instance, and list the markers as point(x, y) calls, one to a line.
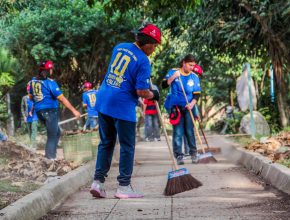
point(146, 94)
point(67, 104)
point(191, 104)
point(173, 77)
point(31, 111)
point(85, 104)
point(196, 93)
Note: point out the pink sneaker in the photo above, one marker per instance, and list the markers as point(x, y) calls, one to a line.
point(98, 190)
point(126, 192)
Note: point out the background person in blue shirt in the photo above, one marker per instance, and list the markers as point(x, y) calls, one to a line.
point(89, 102)
point(192, 89)
point(29, 116)
point(45, 94)
point(127, 78)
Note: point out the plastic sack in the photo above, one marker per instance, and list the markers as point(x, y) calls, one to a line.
point(242, 89)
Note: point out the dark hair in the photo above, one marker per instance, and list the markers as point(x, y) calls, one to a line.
point(143, 39)
point(43, 74)
point(188, 58)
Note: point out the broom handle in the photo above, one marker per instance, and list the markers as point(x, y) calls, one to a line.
point(165, 132)
point(71, 119)
point(191, 115)
point(203, 134)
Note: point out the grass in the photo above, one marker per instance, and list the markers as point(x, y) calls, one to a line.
point(284, 162)
point(244, 141)
point(10, 192)
point(7, 185)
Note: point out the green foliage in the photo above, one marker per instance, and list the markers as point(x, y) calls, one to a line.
point(285, 162)
point(272, 117)
point(234, 123)
point(8, 67)
point(78, 38)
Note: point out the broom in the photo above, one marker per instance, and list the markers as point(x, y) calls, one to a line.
point(179, 180)
point(71, 119)
point(205, 157)
point(208, 149)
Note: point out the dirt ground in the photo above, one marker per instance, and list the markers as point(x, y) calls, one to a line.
point(23, 170)
point(276, 148)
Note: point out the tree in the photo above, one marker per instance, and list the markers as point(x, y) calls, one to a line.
point(249, 28)
point(78, 38)
point(7, 73)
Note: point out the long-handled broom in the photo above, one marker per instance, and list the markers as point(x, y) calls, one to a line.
point(205, 157)
point(208, 148)
point(179, 180)
point(71, 119)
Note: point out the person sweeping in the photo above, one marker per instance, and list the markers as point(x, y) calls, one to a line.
point(127, 78)
point(180, 109)
point(45, 94)
point(89, 102)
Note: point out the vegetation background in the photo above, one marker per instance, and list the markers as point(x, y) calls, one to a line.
point(79, 35)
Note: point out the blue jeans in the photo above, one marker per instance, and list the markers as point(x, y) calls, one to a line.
point(184, 127)
point(152, 126)
point(91, 122)
point(49, 117)
point(109, 128)
point(186, 146)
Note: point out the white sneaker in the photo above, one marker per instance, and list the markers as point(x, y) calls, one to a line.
point(98, 189)
point(126, 192)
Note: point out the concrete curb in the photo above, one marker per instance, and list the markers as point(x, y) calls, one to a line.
point(276, 174)
point(41, 201)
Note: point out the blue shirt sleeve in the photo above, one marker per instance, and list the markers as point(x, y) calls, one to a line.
point(143, 75)
point(84, 98)
point(170, 73)
point(54, 88)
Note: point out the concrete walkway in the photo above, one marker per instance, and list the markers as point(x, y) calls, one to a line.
point(228, 192)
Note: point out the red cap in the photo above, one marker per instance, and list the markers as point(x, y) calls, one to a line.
point(46, 65)
point(87, 85)
point(174, 116)
point(152, 31)
point(197, 69)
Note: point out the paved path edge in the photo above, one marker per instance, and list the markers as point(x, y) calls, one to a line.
point(38, 203)
point(275, 174)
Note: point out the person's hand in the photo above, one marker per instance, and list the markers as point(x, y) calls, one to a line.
point(197, 118)
point(30, 113)
point(77, 114)
point(176, 74)
point(189, 106)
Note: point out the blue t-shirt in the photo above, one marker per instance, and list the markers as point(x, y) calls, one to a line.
point(129, 70)
point(29, 104)
point(44, 93)
point(89, 98)
point(191, 86)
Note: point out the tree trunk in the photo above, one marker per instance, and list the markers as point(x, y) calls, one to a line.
point(10, 124)
point(282, 107)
